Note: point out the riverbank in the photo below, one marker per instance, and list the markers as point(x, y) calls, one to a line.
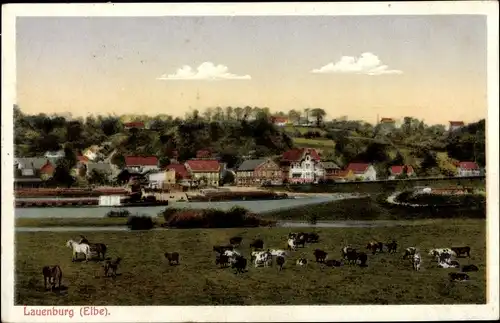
point(198, 281)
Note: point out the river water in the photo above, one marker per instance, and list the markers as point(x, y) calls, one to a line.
point(99, 212)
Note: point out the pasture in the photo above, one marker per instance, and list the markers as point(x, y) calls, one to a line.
point(145, 278)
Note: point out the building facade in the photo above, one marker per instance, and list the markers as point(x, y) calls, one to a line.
point(254, 172)
point(203, 171)
point(302, 165)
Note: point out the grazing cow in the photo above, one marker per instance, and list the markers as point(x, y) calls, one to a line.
point(222, 260)
point(468, 268)
point(375, 246)
point(231, 253)
point(458, 276)
point(278, 252)
point(263, 259)
point(112, 266)
point(173, 257)
point(346, 250)
point(257, 244)
point(301, 262)
point(300, 240)
point(291, 245)
point(280, 261)
point(240, 264)
point(392, 246)
point(52, 275)
point(235, 241)
point(438, 251)
point(320, 255)
point(292, 235)
point(450, 264)
point(221, 249)
point(312, 237)
point(444, 257)
point(459, 251)
point(362, 258)
point(409, 253)
point(333, 263)
point(416, 261)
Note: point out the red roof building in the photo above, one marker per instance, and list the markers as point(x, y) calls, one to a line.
point(180, 171)
point(131, 161)
point(135, 124)
point(279, 120)
point(47, 169)
point(203, 165)
point(397, 170)
point(468, 165)
point(363, 171)
point(297, 154)
point(358, 168)
point(387, 120)
point(457, 123)
point(468, 168)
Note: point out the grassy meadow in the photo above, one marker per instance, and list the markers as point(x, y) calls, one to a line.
point(146, 278)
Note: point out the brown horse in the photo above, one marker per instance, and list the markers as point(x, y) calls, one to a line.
point(52, 275)
point(98, 248)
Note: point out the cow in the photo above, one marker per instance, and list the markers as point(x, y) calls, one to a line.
point(222, 260)
point(438, 251)
point(459, 251)
point(320, 255)
point(301, 262)
point(312, 237)
point(53, 276)
point(257, 244)
point(221, 249)
point(291, 244)
point(444, 257)
point(458, 276)
point(280, 261)
point(263, 259)
point(416, 261)
point(375, 246)
point(333, 263)
point(235, 241)
point(231, 253)
point(409, 253)
point(300, 240)
point(362, 258)
point(172, 257)
point(468, 268)
point(392, 246)
point(346, 250)
point(240, 264)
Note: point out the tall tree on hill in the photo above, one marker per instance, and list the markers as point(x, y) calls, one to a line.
point(208, 114)
point(229, 113)
point(247, 112)
point(319, 114)
point(238, 113)
point(294, 116)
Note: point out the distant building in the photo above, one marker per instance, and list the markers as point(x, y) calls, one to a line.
point(135, 124)
point(468, 168)
point(279, 121)
point(302, 165)
point(395, 171)
point(363, 171)
point(162, 179)
point(332, 170)
point(257, 172)
point(47, 170)
point(387, 124)
point(141, 164)
point(455, 125)
point(91, 153)
point(182, 176)
point(55, 154)
point(204, 171)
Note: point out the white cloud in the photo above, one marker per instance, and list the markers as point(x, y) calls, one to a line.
point(206, 71)
point(367, 63)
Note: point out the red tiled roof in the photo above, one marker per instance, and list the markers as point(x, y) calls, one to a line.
point(82, 159)
point(399, 169)
point(203, 153)
point(180, 170)
point(279, 119)
point(48, 168)
point(296, 154)
point(457, 123)
point(200, 165)
point(357, 168)
point(386, 120)
point(134, 124)
point(468, 165)
point(141, 161)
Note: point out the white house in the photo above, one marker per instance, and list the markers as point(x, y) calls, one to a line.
point(363, 171)
point(465, 169)
point(91, 153)
point(141, 164)
point(302, 165)
point(397, 170)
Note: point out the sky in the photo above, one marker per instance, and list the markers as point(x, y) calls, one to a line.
point(429, 67)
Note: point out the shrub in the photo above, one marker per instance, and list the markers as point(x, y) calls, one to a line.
point(118, 214)
point(140, 222)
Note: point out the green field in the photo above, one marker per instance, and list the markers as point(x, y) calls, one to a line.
point(314, 143)
point(146, 279)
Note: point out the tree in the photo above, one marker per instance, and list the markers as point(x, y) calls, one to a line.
point(97, 177)
point(294, 116)
point(229, 113)
point(118, 160)
point(319, 114)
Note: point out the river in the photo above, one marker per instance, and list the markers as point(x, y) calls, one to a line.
point(99, 212)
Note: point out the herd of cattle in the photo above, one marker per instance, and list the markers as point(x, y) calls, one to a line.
point(228, 255)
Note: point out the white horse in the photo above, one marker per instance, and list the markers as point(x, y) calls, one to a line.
point(79, 248)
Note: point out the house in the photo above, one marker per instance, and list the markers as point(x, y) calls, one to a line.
point(134, 124)
point(141, 164)
point(91, 153)
point(47, 170)
point(55, 154)
point(454, 125)
point(279, 121)
point(162, 179)
point(258, 172)
point(468, 168)
point(332, 170)
point(204, 171)
point(302, 165)
point(181, 174)
point(387, 124)
point(363, 171)
point(398, 170)
point(343, 176)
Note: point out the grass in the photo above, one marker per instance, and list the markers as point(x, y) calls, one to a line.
point(314, 143)
point(303, 130)
point(73, 222)
point(146, 279)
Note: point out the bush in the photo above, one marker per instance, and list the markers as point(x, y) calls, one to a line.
point(211, 218)
point(118, 214)
point(140, 222)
